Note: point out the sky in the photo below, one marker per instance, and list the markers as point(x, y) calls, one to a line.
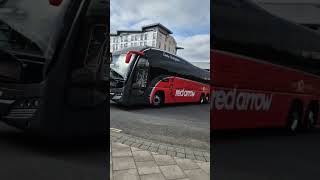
point(189, 20)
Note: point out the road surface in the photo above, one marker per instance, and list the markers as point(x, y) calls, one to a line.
point(266, 155)
point(185, 125)
point(27, 157)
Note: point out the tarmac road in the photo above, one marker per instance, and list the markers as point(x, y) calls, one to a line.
point(266, 155)
point(186, 125)
point(25, 156)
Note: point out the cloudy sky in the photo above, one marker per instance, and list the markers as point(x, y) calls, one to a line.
point(189, 20)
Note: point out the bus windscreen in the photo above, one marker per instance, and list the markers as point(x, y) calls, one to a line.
point(40, 23)
point(119, 66)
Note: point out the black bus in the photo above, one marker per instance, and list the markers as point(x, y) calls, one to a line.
point(145, 75)
point(51, 69)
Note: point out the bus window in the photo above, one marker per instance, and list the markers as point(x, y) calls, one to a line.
point(140, 80)
point(96, 40)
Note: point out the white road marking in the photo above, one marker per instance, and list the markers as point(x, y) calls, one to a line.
point(115, 130)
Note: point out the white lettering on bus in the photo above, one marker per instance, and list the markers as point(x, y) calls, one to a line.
point(183, 92)
point(171, 57)
point(242, 101)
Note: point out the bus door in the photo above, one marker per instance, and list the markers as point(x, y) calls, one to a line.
point(140, 78)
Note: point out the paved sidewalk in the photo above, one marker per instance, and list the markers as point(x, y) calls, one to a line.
point(130, 163)
point(161, 148)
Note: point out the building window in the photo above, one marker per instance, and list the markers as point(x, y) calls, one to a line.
point(145, 36)
point(121, 46)
point(113, 40)
point(136, 38)
point(153, 43)
point(135, 44)
point(131, 44)
point(140, 43)
point(141, 37)
point(154, 35)
point(132, 38)
point(159, 45)
point(145, 43)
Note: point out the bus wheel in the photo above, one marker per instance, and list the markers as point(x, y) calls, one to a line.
point(202, 99)
point(310, 118)
point(294, 118)
point(207, 99)
point(157, 99)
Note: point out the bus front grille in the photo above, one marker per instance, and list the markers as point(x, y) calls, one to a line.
point(20, 114)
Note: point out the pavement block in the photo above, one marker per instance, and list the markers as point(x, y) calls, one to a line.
point(153, 149)
point(186, 164)
point(197, 174)
point(189, 156)
point(123, 163)
point(162, 151)
point(200, 158)
point(129, 174)
point(172, 172)
point(144, 147)
point(157, 176)
point(181, 155)
point(164, 160)
point(205, 166)
point(142, 156)
point(121, 152)
point(147, 167)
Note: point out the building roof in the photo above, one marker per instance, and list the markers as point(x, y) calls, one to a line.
point(143, 29)
point(156, 25)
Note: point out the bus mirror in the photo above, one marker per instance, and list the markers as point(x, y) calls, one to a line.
point(55, 2)
point(130, 53)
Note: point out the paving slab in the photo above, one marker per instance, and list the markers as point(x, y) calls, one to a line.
point(172, 172)
point(131, 163)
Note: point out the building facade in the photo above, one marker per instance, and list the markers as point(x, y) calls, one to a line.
point(154, 35)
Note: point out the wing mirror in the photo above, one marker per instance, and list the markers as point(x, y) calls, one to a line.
point(130, 53)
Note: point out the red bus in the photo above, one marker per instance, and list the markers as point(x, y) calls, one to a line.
point(145, 75)
point(265, 69)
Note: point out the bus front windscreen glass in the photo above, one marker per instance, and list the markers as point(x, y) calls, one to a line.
point(35, 20)
point(119, 67)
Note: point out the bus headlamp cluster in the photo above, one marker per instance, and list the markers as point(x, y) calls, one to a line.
point(29, 103)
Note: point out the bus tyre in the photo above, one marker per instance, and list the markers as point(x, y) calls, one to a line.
point(294, 118)
point(202, 99)
point(157, 100)
point(310, 118)
point(207, 99)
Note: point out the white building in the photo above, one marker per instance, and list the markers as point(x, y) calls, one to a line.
point(155, 35)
